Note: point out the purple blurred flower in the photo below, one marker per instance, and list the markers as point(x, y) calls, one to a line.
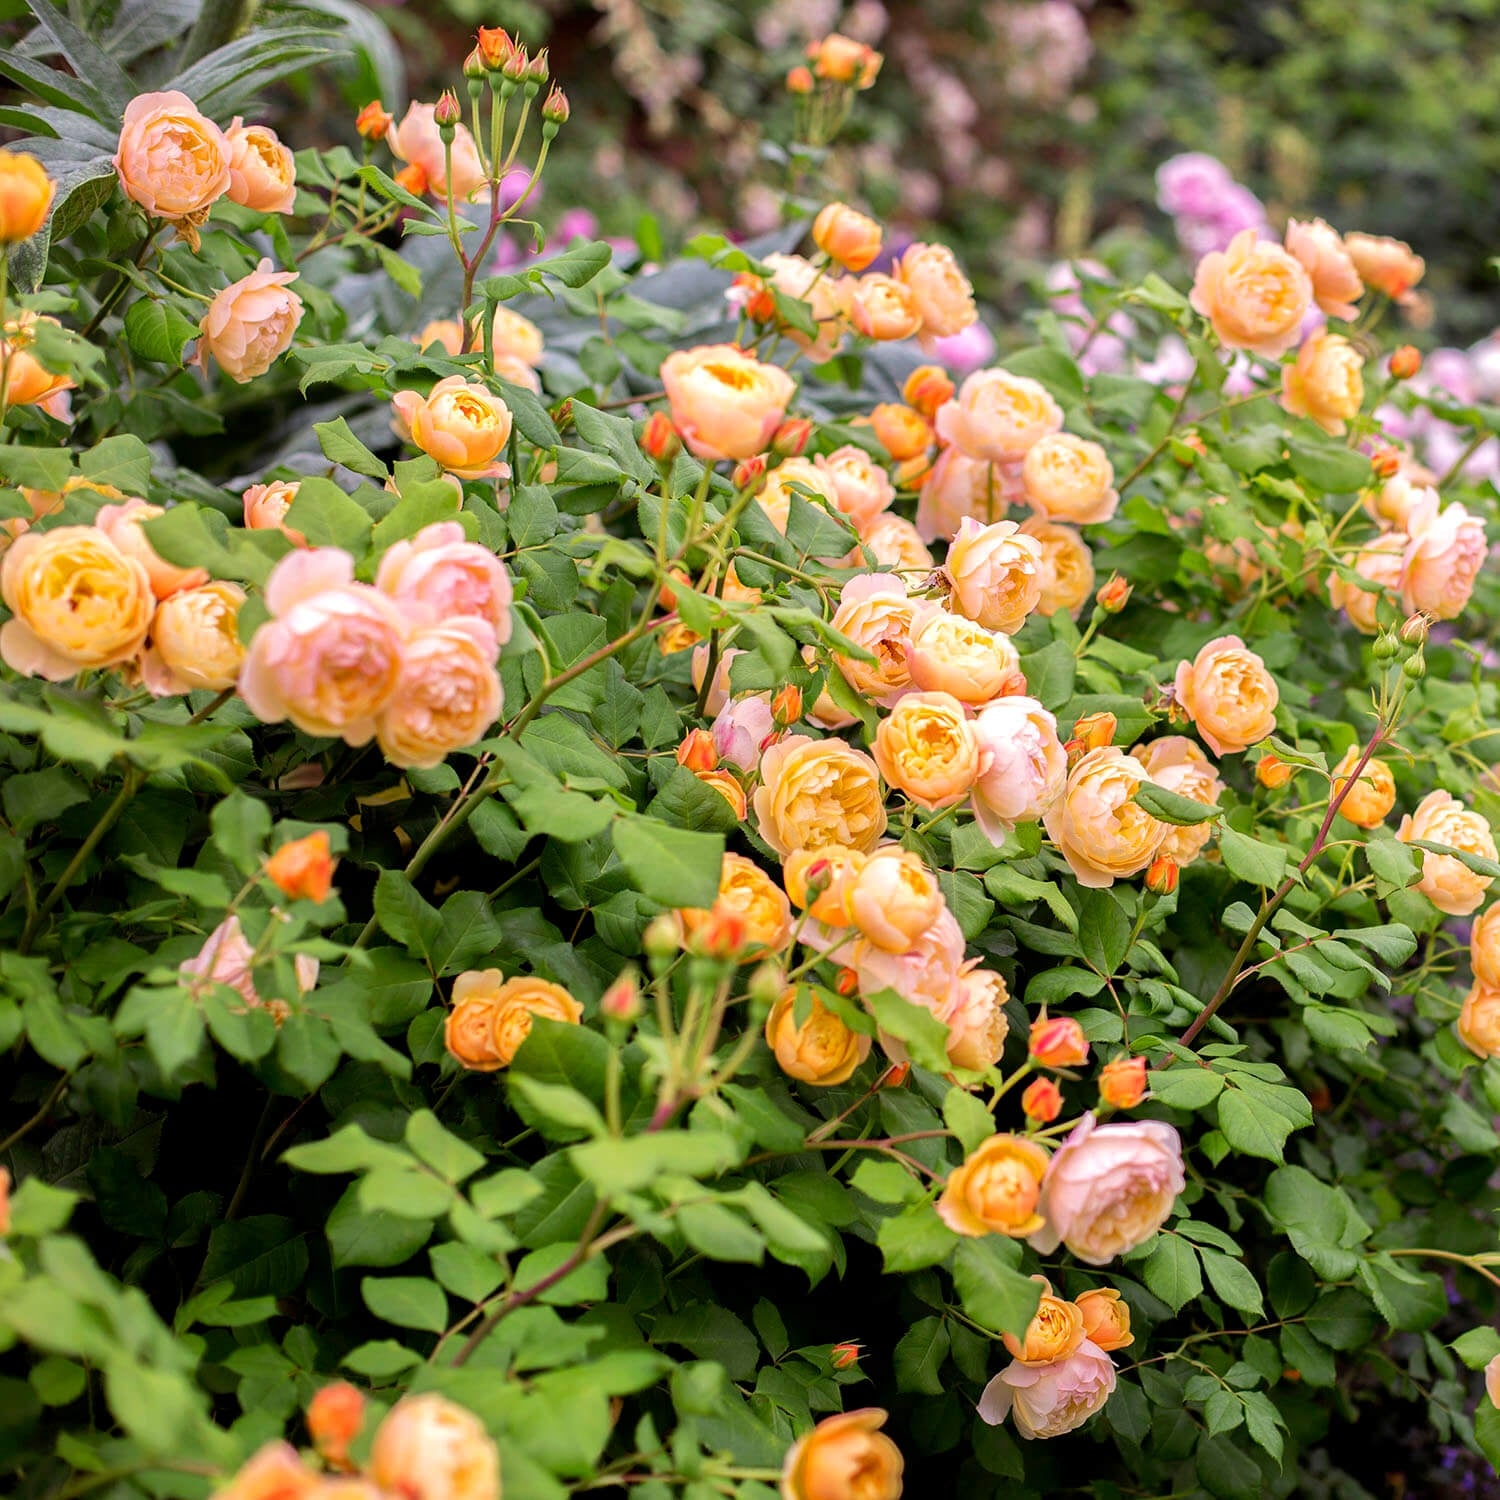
point(964, 352)
point(1208, 206)
point(575, 222)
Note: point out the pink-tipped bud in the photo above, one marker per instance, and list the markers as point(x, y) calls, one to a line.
point(1113, 596)
point(372, 122)
point(896, 1075)
point(1058, 1043)
point(748, 475)
point(1096, 731)
point(536, 70)
point(1122, 1083)
point(791, 439)
point(555, 108)
point(1042, 1101)
point(475, 66)
point(622, 1000)
point(659, 438)
point(1272, 772)
point(1386, 462)
point(847, 983)
point(447, 112)
point(517, 65)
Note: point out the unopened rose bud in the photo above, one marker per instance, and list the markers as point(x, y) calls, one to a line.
point(1097, 731)
point(901, 430)
point(1058, 1043)
point(555, 108)
point(372, 122)
point(723, 933)
point(896, 1075)
point(1405, 362)
point(799, 80)
point(767, 984)
point(447, 110)
point(302, 870)
point(562, 416)
point(757, 301)
point(1385, 646)
point(659, 439)
point(495, 47)
point(1122, 1083)
point(847, 983)
point(334, 1417)
point(1386, 462)
point(475, 67)
point(786, 706)
point(1042, 1101)
point(843, 60)
point(1414, 629)
point(516, 66)
point(749, 473)
point(622, 1000)
point(927, 388)
point(697, 752)
point(791, 438)
point(1161, 876)
point(537, 70)
point(413, 177)
point(1320, 1099)
point(662, 938)
point(1414, 668)
point(846, 1355)
point(1273, 772)
point(1114, 595)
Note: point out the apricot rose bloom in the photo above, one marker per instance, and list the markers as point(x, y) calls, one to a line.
point(266, 506)
point(1106, 1317)
point(875, 613)
point(861, 488)
point(461, 423)
point(195, 641)
point(491, 1018)
point(1254, 294)
point(438, 575)
point(927, 747)
point(275, 1471)
point(892, 898)
point(976, 1020)
point(1098, 826)
point(1368, 803)
point(883, 308)
point(1335, 283)
point(1478, 1023)
point(1228, 694)
point(725, 403)
point(822, 1051)
point(959, 486)
point(1442, 561)
point(250, 323)
point(997, 417)
point(941, 291)
point(1440, 818)
point(1054, 1332)
point(1176, 764)
point(846, 1457)
point(996, 573)
point(1325, 384)
point(428, 1448)
point(895, 544)
point(26, 194)
point(330, 656)
point(28, 382)
point(76, 601)
point(775, 495)
point(416, 140)
point(172, 160)
point(1381, 563)
point(996, 1190)
point(1484, 947)
point(262, 174)
point(1068, 478)
point(819, 881)
point(747, 893)
point(817, 792)
point(1067, 566)
point(1390, 266)
point(1109, 1188)
point(1049, 1400)
point(945, 653)
point(1023, 767)
point(447, 693)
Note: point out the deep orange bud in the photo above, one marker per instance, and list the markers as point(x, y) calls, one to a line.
point(659, 438)
point(848, 982)
point(1058, 1043)
point(1114, 595)
point(303, 869)
point(896, 1075)
point(721, 934)
point(748, 475)
point(792, 437)
point(495, 47)
point(1096, 731)
point(1122, 1083)
point(786, 706)
point(846, 1355)
point(1161, 877)
point(697, 752)
point(799, 80)
point(902, 430)
point(1272, 772)
point(372, 122)
point(1405, 362)
point(927, 388)
point(1042, 1101)
point(334, 1417)
point(757, 300)
point(1386, 462)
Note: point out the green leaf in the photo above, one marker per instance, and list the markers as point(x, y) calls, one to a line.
point(404, 915)
point(1103, 929)
point(35, 468)
point(157, 331)
point(451, 1158)
point(328, 517)
point(1050, 673)
point(380, 1359)
point(925, 1037)
point(710, 1332)
point(623, 1166)
point(1170, 807)
point(967, 1117)
point(1251, 860)
point(919, 1357)
point(993, 1291)
point(359, 1237)
point(1171, 1271)
point(886, 1182)
point(1250, 1127)
point(348, 1149)
point(123, 461)
point(674, 866)
point(1477, 1347)
point(1186, 1088)
point(915, 1238)
point(1328, 466)
point(406, 1301)
point(1232, 1282)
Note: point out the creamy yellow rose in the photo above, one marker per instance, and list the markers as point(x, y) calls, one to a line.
point(1479, 1021)
point(1448, 883)
point(1067, 567)
point(818, 792)
point(1054, 1332)
point(945, 653)
point(1068, 478)
point(1097, 825)
point(195, 640)
point(1325, 383)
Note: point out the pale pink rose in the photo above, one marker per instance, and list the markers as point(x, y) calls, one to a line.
point(439, 576)
point(875, 613)
point(1381, 562)
point(1109, 1188)
point(447, 695)
point(250, 323)
point(1325, 384)
point(997, 416)
point(428, 1448)
point(1440, 818)
point(942, 293)
point(195, 641)
point(262, 174)
point(1335, 283)
point(724, 402)
point(945, 653)
point(1176, 764)
point(461, 423)
point(861, 488)
point(959, 487)
point(226, 958)
point(1049, 1400)
point(894, 543)
point(927, 973)
point(1022, 765)
point(1254, 294)
point(330, 656)
point(1096, 823)
point(976, 1020)
point(1442, 561)
point(1070, 479)
point(741, 728)
point(1228, 694)
point(266, 506)
point(171, 160)
point(416, 140)
point(996, 573)
point(1401, 503)
point(122, 525)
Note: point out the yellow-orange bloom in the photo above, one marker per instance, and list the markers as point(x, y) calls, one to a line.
point(996, 1189)
point(26, 193)
point(845, 1457)
point(822, 1050)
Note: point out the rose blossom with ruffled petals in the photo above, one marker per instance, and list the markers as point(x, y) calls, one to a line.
point(1440, 818)
point(1176, 764)
point(266, 506)
point(861, 488)
point(725, 403)
point(1068, 478)
point(927, 973)
point(959, 487)
point(875, 612)
point(996, 573)
point(1325, 384)
point(742, 727)
point(429, 1448)
point(1049, 1400)
point(1381, 562)
point(817, 792)
point(448, 693)
point(976, 1020)
point(438, 576)
point(997, 416)
point(1022, 765)
point(1067, 566)
point(262, 173)
point(122, 525)
point(1228, 694)
point(461, 423)
point(1442, 561)
point(250, 323)
point(195, 641)
point(1335, 283)
point(171, 159)
point(927, 747)
point(1098, 826)
point(946, 653)
point(1254, 294)
point(1389, 265)
point(941, 292)
point(227, 957)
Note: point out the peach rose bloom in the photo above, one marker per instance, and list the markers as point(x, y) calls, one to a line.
point(895, 544)
point(1228, 694)
point(28, 382)
point(1390, 266)
point(1335, 283)
point(997, 416)
point(491, 1018)
point(893, 898)
point(818, 792)
point(942, 292)
point(845, 1457)
point(1369, 801)
point(901, 430)
point(725, 403)
point(1109, 1188)
point(274, 1472)
point(76, 600)
point(171, 159)
point(195, 641)
point(266, 506)
point(446, 333)
point(262, 174)
point(836, 869)
point(1484, 947)
point(330, 656)
point(1441, 819)
point(884, 308)
point(927, 747)
point(1400, 501)
point(447, 694)
point(958, 487)
point(438, 576)
point(226, 958)
point(775, 495)
point(122, 525)
point(997, 574)
point(748, 893)
point(845, 60)
point(460, 423)
point(945, 653)
point(1106, 1319)
point(1254, 294)
point(26, 194)
point(822, 1051)
point(428, 1448)
point(1381, 562)
point(844, 234)
point(1177, 765)
point(976, 1020)
point(861, 488)
point(996, 1190)
point(1067, 566)
point(1023, 767)
point(417, 140)
point(1478, 1024)
point(1055, 1331)
point(1442, 561)
point(928, 973)
point(1325, 384)
point(1096, 823)
point(1047, 1401)
point(249, 325)
point(726, 785)
point(875, 613)
point(1068, 478)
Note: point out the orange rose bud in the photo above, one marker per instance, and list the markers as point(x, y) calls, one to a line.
point(26, 193)
point(1321, 1099)
point(758, 302)
point(902, 430)
point(412, 177)
point(697, 752)
point(372, 122)
point(1272, 772)
point(303, 869)
point(622, 1000)
point(725, 784)
point(495, 47)
point(790, 440)
point(847, 236)
point(799, 80)
point(1114, 595)
point(847, 982)
point(1161, 876)
point(1122, 1083)
point(659, 438)
point(1386, 462)
point(555, 109)
point(927, 388)
point(1042, 1101)
point(1096, 730)
point(786, 706)
point(846, 1355)
point(1058, 1043)
point(1075, 750)
point(896, 1075)
point(334, 1417)
point(1193, 441)
point(1405, 362)
point(749, 473)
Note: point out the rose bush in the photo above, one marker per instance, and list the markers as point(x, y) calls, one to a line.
point(530, 792)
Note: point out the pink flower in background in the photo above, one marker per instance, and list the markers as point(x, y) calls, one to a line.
point(965, 352)
point(1208, 206)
